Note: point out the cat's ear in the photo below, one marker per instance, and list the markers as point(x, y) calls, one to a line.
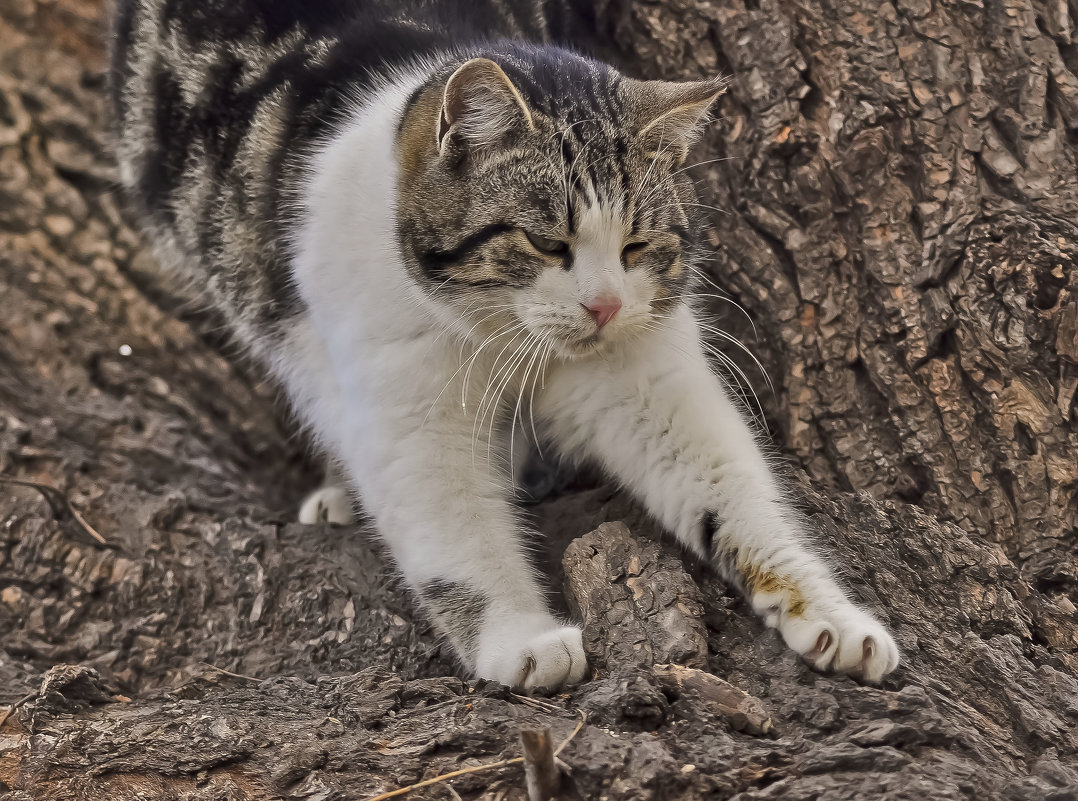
point(481, 105)
point(669, 115)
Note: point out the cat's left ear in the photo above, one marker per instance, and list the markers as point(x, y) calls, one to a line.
point(669, 115)
point(482, 105)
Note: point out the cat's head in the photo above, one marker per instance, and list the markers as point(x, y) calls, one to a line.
point(544, 194)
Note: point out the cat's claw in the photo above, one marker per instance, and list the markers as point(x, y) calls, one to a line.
point(330, 504)
point(542, 662)
point(844, 640)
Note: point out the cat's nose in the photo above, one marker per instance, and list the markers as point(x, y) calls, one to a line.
point(603, 309)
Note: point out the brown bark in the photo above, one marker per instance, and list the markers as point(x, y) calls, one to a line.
point(900, 203)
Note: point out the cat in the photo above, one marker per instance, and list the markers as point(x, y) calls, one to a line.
point(445, 235)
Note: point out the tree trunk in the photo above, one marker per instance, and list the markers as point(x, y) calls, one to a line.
point(895, 205)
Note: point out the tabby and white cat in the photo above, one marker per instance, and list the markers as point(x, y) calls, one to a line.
point(443, 235)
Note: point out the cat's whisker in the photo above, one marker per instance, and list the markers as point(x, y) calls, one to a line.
point(566, 170)
point(448, 328)
point(516, 411)
point(732, 302)
point(738, 374)
point(565, 131)
point(496, 370)
point(705, 278)
point(466, 340)
point(702, 163)
point(462, 366)
point(681, 205)
point(492, 311)
point(678, 348)
point(510, 329)
point(573, 171)
point(718, 332)
point(540, 373)
point(509, 372)
point(740, 379)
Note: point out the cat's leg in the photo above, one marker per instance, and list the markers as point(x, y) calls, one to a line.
point(661, 422)
point(301, 362)
point(422, 473)
point(454, 534)
point(330, 503)
point(445, 513)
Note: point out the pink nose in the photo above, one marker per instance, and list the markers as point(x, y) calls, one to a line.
point(602, 310)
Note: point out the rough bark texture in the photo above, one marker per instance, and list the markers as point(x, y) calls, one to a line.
point(899, 210)
point(637, 604)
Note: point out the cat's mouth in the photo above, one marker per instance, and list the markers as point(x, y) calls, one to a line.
point(586, 345)
point(573, 343)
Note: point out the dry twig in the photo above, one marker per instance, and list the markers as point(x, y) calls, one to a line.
point(61, 507)
point(476, 768)
point(7, 713)
point(573, 733)
point(230, 673)
point(546, 706)
point(436, 779)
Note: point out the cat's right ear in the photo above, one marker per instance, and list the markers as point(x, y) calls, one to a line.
point(670, 115)
point(480, 106)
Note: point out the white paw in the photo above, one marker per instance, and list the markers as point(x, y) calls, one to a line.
point(327, 505)
point(547, 660)
point(843, 639)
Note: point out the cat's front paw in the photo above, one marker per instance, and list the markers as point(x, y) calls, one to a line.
point(841, 638)
point(329, 504)
point(526, 659)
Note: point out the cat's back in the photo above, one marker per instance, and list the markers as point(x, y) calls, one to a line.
point(200, 72)
point(215, 103)
point(216, 86)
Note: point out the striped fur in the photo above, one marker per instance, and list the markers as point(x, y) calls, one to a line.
point(216, 105)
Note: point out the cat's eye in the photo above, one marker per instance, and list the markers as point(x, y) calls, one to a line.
point(553, 247)
point(631, 248)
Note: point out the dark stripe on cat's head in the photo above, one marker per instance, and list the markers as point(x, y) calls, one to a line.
point(438, 264)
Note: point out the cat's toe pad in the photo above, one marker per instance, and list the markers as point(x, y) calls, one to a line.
point(844, 640)
point(546, 661)
point(332, 504)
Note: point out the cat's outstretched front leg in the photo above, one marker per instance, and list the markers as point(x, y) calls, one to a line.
point(658, 419)
point(452, 530)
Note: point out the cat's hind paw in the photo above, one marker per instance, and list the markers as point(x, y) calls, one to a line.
point(844, 640)
point(546, 661)
point(330, 504)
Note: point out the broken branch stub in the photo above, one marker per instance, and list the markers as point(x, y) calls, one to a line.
point(637, 603)
point(540, 772)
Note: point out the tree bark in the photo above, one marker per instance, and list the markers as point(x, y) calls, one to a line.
point(895, 201)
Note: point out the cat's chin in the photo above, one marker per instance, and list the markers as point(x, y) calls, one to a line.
point(599, 343)
point(583, 348)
